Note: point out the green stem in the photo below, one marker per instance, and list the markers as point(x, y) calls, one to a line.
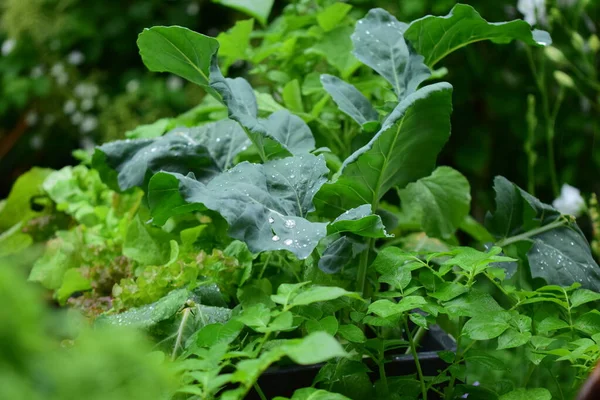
point(524, 236)
point(186, 315)
point(259, 391)
point(362, 269)
point(382, 375)
point(416, 357)
point(539, 80)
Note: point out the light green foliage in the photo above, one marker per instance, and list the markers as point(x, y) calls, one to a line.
point(259, 9)
point(17, 207)
point(252, 248)
point(442, 199)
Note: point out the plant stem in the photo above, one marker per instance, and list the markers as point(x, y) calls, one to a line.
point(416, 357)
point(382, 375)
point(417, 338)
point(549, 120)
point(524, 236)
point(186, 315)
point(362, 269)
point(259, 391)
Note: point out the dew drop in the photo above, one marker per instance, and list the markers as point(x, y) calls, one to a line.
point(218, 139)
point(289, 223)
point(271, 220)
point(288, 242)
point(275, 238)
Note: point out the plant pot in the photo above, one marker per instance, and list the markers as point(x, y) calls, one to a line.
point(283, 381)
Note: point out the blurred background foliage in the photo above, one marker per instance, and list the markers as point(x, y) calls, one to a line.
point(71, 77)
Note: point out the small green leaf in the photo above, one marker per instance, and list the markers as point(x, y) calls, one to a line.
point(235, 43)
point(314, 348)
point(315, 294)
point(359, 221)
point(217, 333)
point(379, 43)
point(328, 324)
point(486, 327)
point(259, 9)
point(527, 394)
point(442, 200)
point(512, 338)
point(419, 320)
point(582, 296)
point(336, 48)
point(292, 96)
point(339, 253)
point(448, 291)
point(588, 323)
point(331, 16)
point(350, 100)
point(146, 244)
point(436, 37)
point(551, 324)
point(256, 317)
point(179, 51)
point(72, 282)
point(352, 333)
point(17, 206)
point(387, 308)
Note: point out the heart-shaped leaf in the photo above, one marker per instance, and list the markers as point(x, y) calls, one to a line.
point(436, 37)
point(404, 150)
point(442, 200)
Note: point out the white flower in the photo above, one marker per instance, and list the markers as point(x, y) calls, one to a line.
point(87, 104)
point(88, 124)
point(37, 71)
point(534, 11)
point(77, 118)
point(57, 69)
point(174, 83)
point(49, 119)
point(570, 201)
point(87, 144)
point(75, 57)
point(86, 90)
point(192, 9)
point(132, 86)
point(31, 118)
point(8, 46)
point(69, 107)
point(36, 142)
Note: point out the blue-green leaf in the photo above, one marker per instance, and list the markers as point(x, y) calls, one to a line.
point(350, 100)
point(379, 43)
point(205, 151)
point(265, 204)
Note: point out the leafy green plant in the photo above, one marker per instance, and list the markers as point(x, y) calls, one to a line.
point(245, 245)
